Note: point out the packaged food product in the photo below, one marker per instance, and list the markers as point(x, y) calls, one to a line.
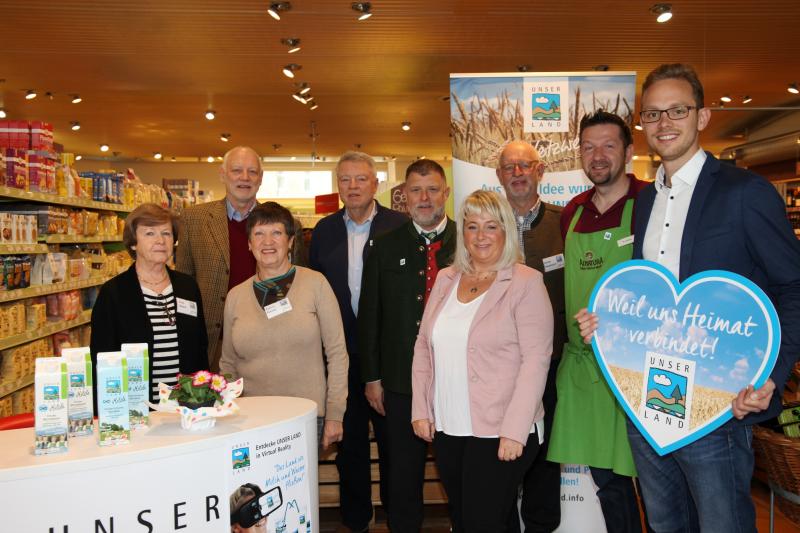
point(112, 398)
point(80, 398)
point(138, 383)
point(50, 412)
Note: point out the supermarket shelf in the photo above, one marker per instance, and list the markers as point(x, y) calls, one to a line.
point(76, 239)
point(10, 192)
point(7, 387)
point(7, 249)
point(41, 290)
point(52, 327)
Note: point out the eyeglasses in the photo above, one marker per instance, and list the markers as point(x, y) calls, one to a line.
point(674, 113)
point(524, 166)
point(167, 311)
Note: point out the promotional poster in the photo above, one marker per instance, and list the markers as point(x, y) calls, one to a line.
point(676, 354)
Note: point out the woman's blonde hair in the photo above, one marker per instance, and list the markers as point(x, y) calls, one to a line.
point(497, 208)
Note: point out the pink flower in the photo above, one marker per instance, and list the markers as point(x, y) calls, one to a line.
point(218, 383)
point(201, 378)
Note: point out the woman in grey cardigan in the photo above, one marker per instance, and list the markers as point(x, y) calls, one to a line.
point(278, 322)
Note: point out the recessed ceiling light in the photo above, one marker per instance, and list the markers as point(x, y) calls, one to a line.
point(225, 137)
point(792, 88)
point(293, 44)
point(746, 100)
point(406, 125)
point(210, 159)
point(275, 9)
point(663, 12)
point(75, 125)
point(289, 69)
point(104, 148)
point(293, 158)
point(76, 99)
point(211, 114)
point(364, 8)
point(3, 113)
point(727, 99)
point(49, 95)
point(157, 155)
point(638, 127)
point(78, 157)
point(30, 94)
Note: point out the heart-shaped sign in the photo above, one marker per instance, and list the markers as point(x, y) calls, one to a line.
point(676, 354)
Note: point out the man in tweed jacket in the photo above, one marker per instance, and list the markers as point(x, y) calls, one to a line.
point(212, 241)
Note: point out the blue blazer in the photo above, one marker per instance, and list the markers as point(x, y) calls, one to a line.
point(737, 222)
point(328, 255)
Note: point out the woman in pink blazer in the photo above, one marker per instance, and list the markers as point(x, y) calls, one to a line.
point(480, 364)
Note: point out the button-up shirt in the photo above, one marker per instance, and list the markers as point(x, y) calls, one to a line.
point(662, 240)
point(438, 229)
point(234, 214)
point(524, 222)
point(357, 235)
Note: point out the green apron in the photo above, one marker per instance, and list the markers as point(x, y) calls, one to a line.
point(589, 425)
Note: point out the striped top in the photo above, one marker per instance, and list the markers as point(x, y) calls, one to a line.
point(165, 359)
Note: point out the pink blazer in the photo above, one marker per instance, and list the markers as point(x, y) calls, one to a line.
point(510, 343)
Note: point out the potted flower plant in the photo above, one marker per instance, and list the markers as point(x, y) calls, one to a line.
point(201, 389)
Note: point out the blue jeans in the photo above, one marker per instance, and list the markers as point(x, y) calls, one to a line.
point(704, 486)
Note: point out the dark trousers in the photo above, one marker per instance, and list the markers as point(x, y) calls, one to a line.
point(541, 488)
point(481, 489)
point(407, 454)
point(353, 457)
point(618, 501)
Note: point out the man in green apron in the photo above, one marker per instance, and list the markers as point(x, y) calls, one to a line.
point(589, 426)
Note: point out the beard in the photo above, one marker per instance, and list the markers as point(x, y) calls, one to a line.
point(426, 220)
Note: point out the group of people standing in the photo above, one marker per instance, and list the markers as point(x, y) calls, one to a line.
point(471, 334)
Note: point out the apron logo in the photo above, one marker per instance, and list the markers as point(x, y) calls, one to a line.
point(589, 261)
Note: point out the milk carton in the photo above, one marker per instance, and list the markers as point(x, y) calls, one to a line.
point(79, 369)
point(112, 398)
point(138, 383)
point(50, 411)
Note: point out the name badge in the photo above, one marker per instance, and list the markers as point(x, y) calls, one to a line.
point(553, 262)
point(186, 307)
point(278, 308)
point(625, 240)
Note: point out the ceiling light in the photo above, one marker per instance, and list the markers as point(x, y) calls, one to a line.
point(314, 106)
point(309, 98)
point(793, 88)
point(76, 99)
point(104, 148)
point(289, 69)
point(746, 100)
point(78, 157)
point(304, 88)
point(75, 125)
point(293, 158)
point(363, 8)
point(30, 94)
point(225, 137)
point(276, 7)
point(49, 95)
point(727, 99)
point(663, 12)
point(293, 44)
point(406, 125)
point(638, 127)
point(600, 68)
point(636, 158)
point(299, 98)
point(3, 113)
point(523, 68)
point(210, 159)
point(211, 114)
point(157, 155)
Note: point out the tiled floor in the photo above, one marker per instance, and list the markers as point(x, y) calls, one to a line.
point(436, 517)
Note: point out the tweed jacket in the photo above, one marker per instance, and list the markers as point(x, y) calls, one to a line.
point(392, 302)
point(204, 253)
point(509, 345)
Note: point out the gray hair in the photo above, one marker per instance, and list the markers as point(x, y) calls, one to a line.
point(357, 157)
point(230, 152)
point(497, 207)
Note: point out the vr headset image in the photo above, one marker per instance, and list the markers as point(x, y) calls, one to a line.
point(261, 506)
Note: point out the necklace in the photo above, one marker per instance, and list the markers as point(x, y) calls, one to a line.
point(153, 283)
point(480, 279)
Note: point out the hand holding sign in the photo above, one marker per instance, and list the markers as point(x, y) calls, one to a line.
point(677, 355)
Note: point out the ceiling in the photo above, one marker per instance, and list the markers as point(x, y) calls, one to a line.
point(148, 70)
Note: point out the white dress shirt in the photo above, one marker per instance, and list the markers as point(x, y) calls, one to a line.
point(438, 229)
point(357, 236)
point(662, 240)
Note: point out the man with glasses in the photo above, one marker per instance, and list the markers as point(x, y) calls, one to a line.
point(340, 244)
point(213, 241)
point(520, 170)
point(701, 214)
point(597, 226)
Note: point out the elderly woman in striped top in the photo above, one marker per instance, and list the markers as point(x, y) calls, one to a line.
point(152, 303)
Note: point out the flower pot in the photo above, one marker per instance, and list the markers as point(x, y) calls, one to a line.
point(194, 405)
